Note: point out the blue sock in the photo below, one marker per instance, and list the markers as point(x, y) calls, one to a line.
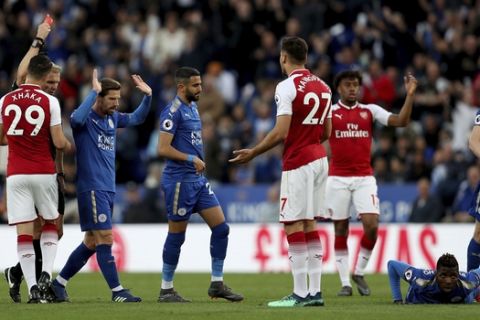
point(77, 259)
point(171, 254)
point(218, 248)
point(107, 265)
point(473, 255)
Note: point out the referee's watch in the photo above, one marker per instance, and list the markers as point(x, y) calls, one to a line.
point(38, 43)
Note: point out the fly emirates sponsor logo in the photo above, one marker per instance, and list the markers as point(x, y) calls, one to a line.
point(352, 132)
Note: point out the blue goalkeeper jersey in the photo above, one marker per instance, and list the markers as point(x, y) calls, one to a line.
point(95, 138)
point(424, 289)
point(183, 122)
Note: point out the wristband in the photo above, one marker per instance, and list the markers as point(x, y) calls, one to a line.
point(38, 42)
point(190, 158)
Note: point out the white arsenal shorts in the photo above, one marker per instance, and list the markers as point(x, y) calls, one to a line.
point(25, 192)
point(359, 191)
point(302, 192)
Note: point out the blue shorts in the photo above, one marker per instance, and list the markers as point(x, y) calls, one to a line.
point(95, 209)
point(185, 198)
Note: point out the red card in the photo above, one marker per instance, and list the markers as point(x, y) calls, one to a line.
point(48, 19)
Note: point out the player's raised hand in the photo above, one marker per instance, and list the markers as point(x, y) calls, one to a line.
point(141, 85)
point(242, 156)
point(43, 30)
point(410, 84)
point(96, 86)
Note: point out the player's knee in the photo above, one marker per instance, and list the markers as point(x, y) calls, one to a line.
point(221, 231)
point(175, 239)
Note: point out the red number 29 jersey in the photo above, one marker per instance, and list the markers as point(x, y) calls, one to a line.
point(307, 99)
point(27, 115)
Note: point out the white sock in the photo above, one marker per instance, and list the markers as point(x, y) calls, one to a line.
point(315, 263)
point(341, 261)
point(167, 284)
point(216, 278)
point(363, 257)
point(48, 243)
point(26, 256)
point(61, 280)
point(298, 257)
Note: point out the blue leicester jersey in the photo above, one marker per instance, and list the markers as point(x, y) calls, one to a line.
point(424, 289)
point(95, 143)
point(183, 122)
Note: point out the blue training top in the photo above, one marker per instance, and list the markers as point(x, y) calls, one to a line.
point(95, 137)
point(183, 122)
point(424, 289)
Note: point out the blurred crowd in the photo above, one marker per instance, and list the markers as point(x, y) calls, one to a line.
point(234, 43)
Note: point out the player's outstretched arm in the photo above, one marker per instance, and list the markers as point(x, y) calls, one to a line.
point(42, 32)
point(274, 137)
point(396, 270)
point(402, 119)
point(80, 115)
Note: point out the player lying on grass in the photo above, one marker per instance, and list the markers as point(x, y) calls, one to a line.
point(446, 284)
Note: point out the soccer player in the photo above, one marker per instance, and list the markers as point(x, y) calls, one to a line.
point(187, 191)
point(443, 285)
point(31, 120)
point(351, 176)
point(94, 125)
point(473, 250)
point(14, 274)
point(303, 123)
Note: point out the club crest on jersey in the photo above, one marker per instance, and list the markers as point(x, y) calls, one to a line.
point(167, 124)
point(364, 115)
point(110, 123)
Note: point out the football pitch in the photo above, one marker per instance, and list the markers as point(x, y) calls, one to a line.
point(91, 300)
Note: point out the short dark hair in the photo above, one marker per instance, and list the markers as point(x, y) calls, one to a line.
point(39, 66)
point(447, 260)
point(296, 48)
point(107, 85)
point(347, 74)
point(183, 74)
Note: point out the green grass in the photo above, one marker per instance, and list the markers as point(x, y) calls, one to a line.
point(91, 300)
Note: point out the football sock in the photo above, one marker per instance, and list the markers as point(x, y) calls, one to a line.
point(366, 247)
point(298, 256)
point(315, 262)
point(77, 259)
point(26, 256)
point(38, 257)
point(341, 260)
point(171, 254)
point(48, 244)
point(106, 262)
point(218, 249)
point(473, 255)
